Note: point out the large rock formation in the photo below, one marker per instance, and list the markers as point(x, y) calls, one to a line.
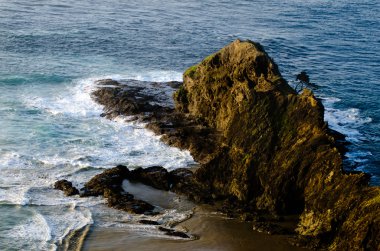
point(276, 153)
point(264, 148)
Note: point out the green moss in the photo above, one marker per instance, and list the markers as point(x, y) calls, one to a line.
point(208, 58)
point(191, 71)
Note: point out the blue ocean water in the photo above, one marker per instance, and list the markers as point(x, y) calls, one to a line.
point(52, 51)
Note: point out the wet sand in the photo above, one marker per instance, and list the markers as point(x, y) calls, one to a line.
point(214, 231)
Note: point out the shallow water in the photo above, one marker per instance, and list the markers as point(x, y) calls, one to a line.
point(52, 51)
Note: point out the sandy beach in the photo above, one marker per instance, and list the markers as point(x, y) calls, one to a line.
point(214, 230)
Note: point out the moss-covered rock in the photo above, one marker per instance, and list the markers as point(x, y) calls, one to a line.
point(276, 152)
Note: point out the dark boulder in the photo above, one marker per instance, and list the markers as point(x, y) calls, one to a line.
point(303, 77)
point(109, 179)
point(109, 184)
point(155, 176)
point(119, 99)
point(66, 186)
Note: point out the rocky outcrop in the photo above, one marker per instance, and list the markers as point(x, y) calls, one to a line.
point(181, 181)
point(109, 184)
point(110, 179)
point(151, 103)
point(155, 176)
point(264, 148)
point(270, 135)
point(277, 154)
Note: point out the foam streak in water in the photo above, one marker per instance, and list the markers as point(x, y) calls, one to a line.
point(348, 121)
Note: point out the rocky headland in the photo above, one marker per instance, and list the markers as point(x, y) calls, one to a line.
point(265, 152)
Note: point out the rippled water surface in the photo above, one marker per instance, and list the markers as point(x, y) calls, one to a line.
point(52, 51)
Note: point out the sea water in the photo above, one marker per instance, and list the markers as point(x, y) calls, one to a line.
point(51, 52)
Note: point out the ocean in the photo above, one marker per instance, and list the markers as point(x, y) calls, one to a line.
point(51, 52)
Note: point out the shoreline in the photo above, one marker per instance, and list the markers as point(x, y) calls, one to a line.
point(75, 240)
point(214, 231)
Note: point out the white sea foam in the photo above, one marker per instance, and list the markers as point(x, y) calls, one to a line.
point(345, 121)
point(35, 232)
point(75, 101)
point(158, 76)
point(82, 144)
point(127, 143)
point(9, 159)
point(172, 217)
point(14, 194)
point(348, 122)
point(69, 218)
point(167, 218)
point(46, 228)
point(16, 160)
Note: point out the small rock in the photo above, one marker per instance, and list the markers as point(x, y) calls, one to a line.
point(149, 222)
point(109, 179)
point(66, 186)
point(173, 232)
point(126, 202)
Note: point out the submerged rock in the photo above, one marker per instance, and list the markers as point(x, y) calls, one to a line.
point(66, 186)
point(172, 232)
point(126, 202)
point(149, 222)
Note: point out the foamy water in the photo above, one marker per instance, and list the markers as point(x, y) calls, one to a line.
point(83, 144)
point(348, 121)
